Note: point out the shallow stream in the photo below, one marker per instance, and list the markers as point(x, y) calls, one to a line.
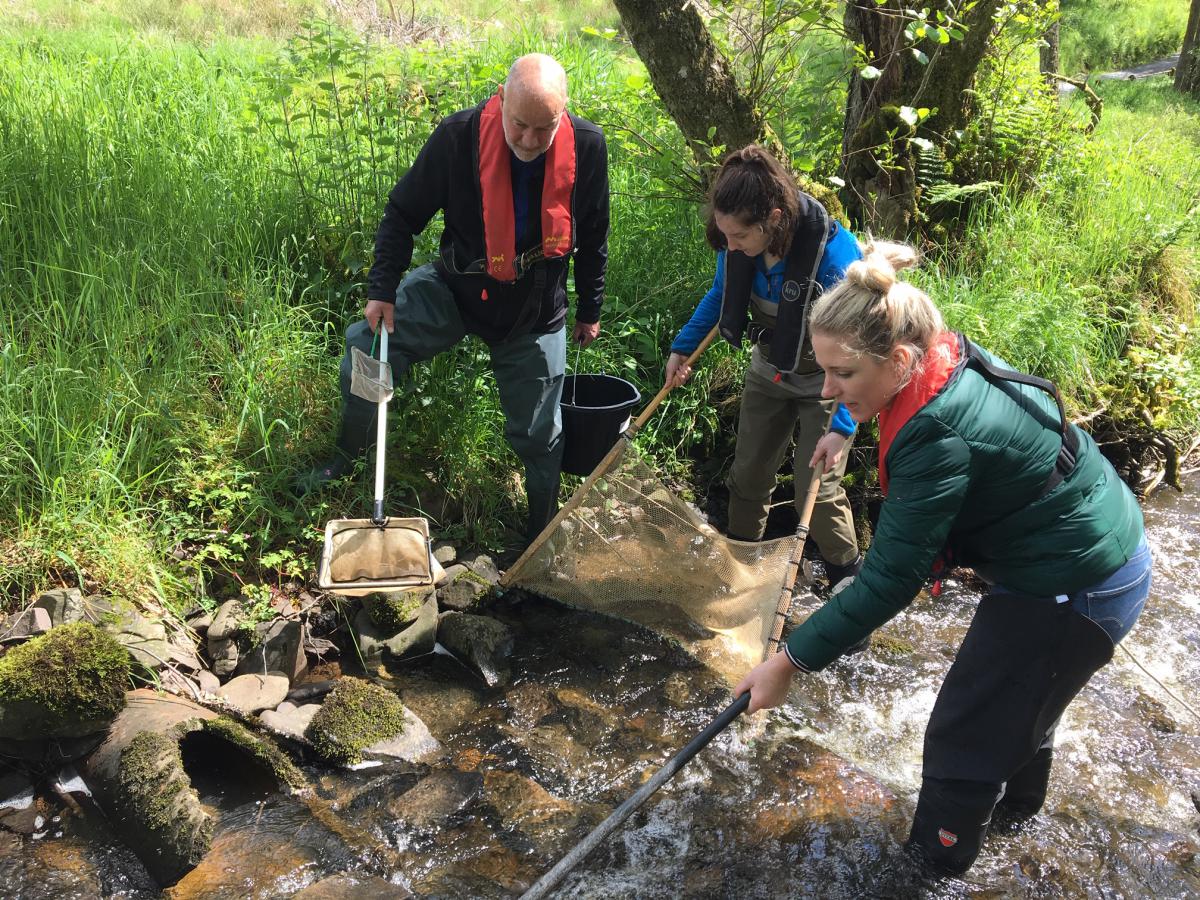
point(810, 801)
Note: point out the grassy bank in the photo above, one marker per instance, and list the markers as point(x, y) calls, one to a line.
point(184, 232)
point(1105, 35)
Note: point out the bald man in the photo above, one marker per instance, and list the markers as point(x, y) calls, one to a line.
point(523, 186)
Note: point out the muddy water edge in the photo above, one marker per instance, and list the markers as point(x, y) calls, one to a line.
point(812, 800)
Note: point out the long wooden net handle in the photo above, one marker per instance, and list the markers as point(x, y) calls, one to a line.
point(602, 469)
point(797, 559)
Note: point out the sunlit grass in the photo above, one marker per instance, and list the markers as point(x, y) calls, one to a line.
point(171, 304)
point(1102, 35)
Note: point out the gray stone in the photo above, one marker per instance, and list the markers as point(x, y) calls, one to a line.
point(413, 744)
point(462, 595)
point(16, 790)
point(479, 642)
point(482, 565)
point(23, 821)
point(414, 639)
point(63, 604)
point(224, 655)
point(200, 624)
point(437, 798)
point(353, 887)
point(452, 574)
point(280, 649)
point(225, 623)
point(254, 693)
point(25, 624)
point(145, 639)
point(183, 655)
point(209, 683)
point(445, 552)
point(290, 719)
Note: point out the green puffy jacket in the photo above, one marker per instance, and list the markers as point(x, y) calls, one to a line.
point(965, 472)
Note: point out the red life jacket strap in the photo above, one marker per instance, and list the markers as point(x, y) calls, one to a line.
point(495, 183)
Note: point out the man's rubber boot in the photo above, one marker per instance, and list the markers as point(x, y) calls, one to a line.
point(846, 573)
point(355, 436)
point(542, 508)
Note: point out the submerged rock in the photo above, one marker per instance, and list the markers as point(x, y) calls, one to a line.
point(353, 887)
point(483, 644)
point(67, 683)
point(437, 799)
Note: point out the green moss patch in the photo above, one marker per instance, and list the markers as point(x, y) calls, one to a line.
point(392, 610)
point(262, 751)
point(72, 674)
point(354, 716)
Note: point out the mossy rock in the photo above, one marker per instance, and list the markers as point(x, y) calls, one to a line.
point(354, 716)
point(890, 645)
point(392, 610)
point(153, 781)
point(263, 752)
point(68, 682)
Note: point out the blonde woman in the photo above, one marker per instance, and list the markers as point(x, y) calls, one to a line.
point(979, 467)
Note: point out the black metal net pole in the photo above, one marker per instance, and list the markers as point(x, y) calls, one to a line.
point(548, 881)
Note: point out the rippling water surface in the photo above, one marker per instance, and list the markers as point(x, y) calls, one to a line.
point(811, 800)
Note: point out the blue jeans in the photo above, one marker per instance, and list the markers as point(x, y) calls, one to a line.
point(1115, 603)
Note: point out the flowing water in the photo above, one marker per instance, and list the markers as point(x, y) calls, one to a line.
point(812, 800)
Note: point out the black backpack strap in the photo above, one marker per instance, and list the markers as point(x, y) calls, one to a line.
point(1069, 450)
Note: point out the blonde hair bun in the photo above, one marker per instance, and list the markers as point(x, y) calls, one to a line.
point(876, 271)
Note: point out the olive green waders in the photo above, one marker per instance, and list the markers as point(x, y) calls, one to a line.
point(771, 414)
point(529, 375)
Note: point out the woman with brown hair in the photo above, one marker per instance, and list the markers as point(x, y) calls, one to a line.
point(777, 250)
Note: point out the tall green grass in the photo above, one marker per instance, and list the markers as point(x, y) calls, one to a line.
point(176, 278)
point(1103, 35)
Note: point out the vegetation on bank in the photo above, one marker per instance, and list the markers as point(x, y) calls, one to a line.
point(185, 232)
point(1105, 35)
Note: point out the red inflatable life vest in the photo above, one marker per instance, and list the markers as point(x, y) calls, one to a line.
point(495, 182)
point(938, 365)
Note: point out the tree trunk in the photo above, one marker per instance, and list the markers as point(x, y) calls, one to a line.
point(1049, 61)
point(878, 160)
point(691, 76)
point(1187, 73)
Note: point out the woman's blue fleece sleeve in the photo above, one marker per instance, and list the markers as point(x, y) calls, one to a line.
point(705, 316)
point(841, 250)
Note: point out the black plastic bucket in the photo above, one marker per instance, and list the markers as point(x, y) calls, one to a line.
point(595, 410)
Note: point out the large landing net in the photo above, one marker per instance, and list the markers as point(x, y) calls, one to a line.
point(626, 546)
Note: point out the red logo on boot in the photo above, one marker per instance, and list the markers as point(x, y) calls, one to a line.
point(948, 838)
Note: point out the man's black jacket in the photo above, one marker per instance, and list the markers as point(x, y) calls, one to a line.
point(445, 176)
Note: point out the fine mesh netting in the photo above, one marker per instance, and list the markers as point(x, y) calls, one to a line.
point(361, 556)
point(370, 378)
point(630, 548)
